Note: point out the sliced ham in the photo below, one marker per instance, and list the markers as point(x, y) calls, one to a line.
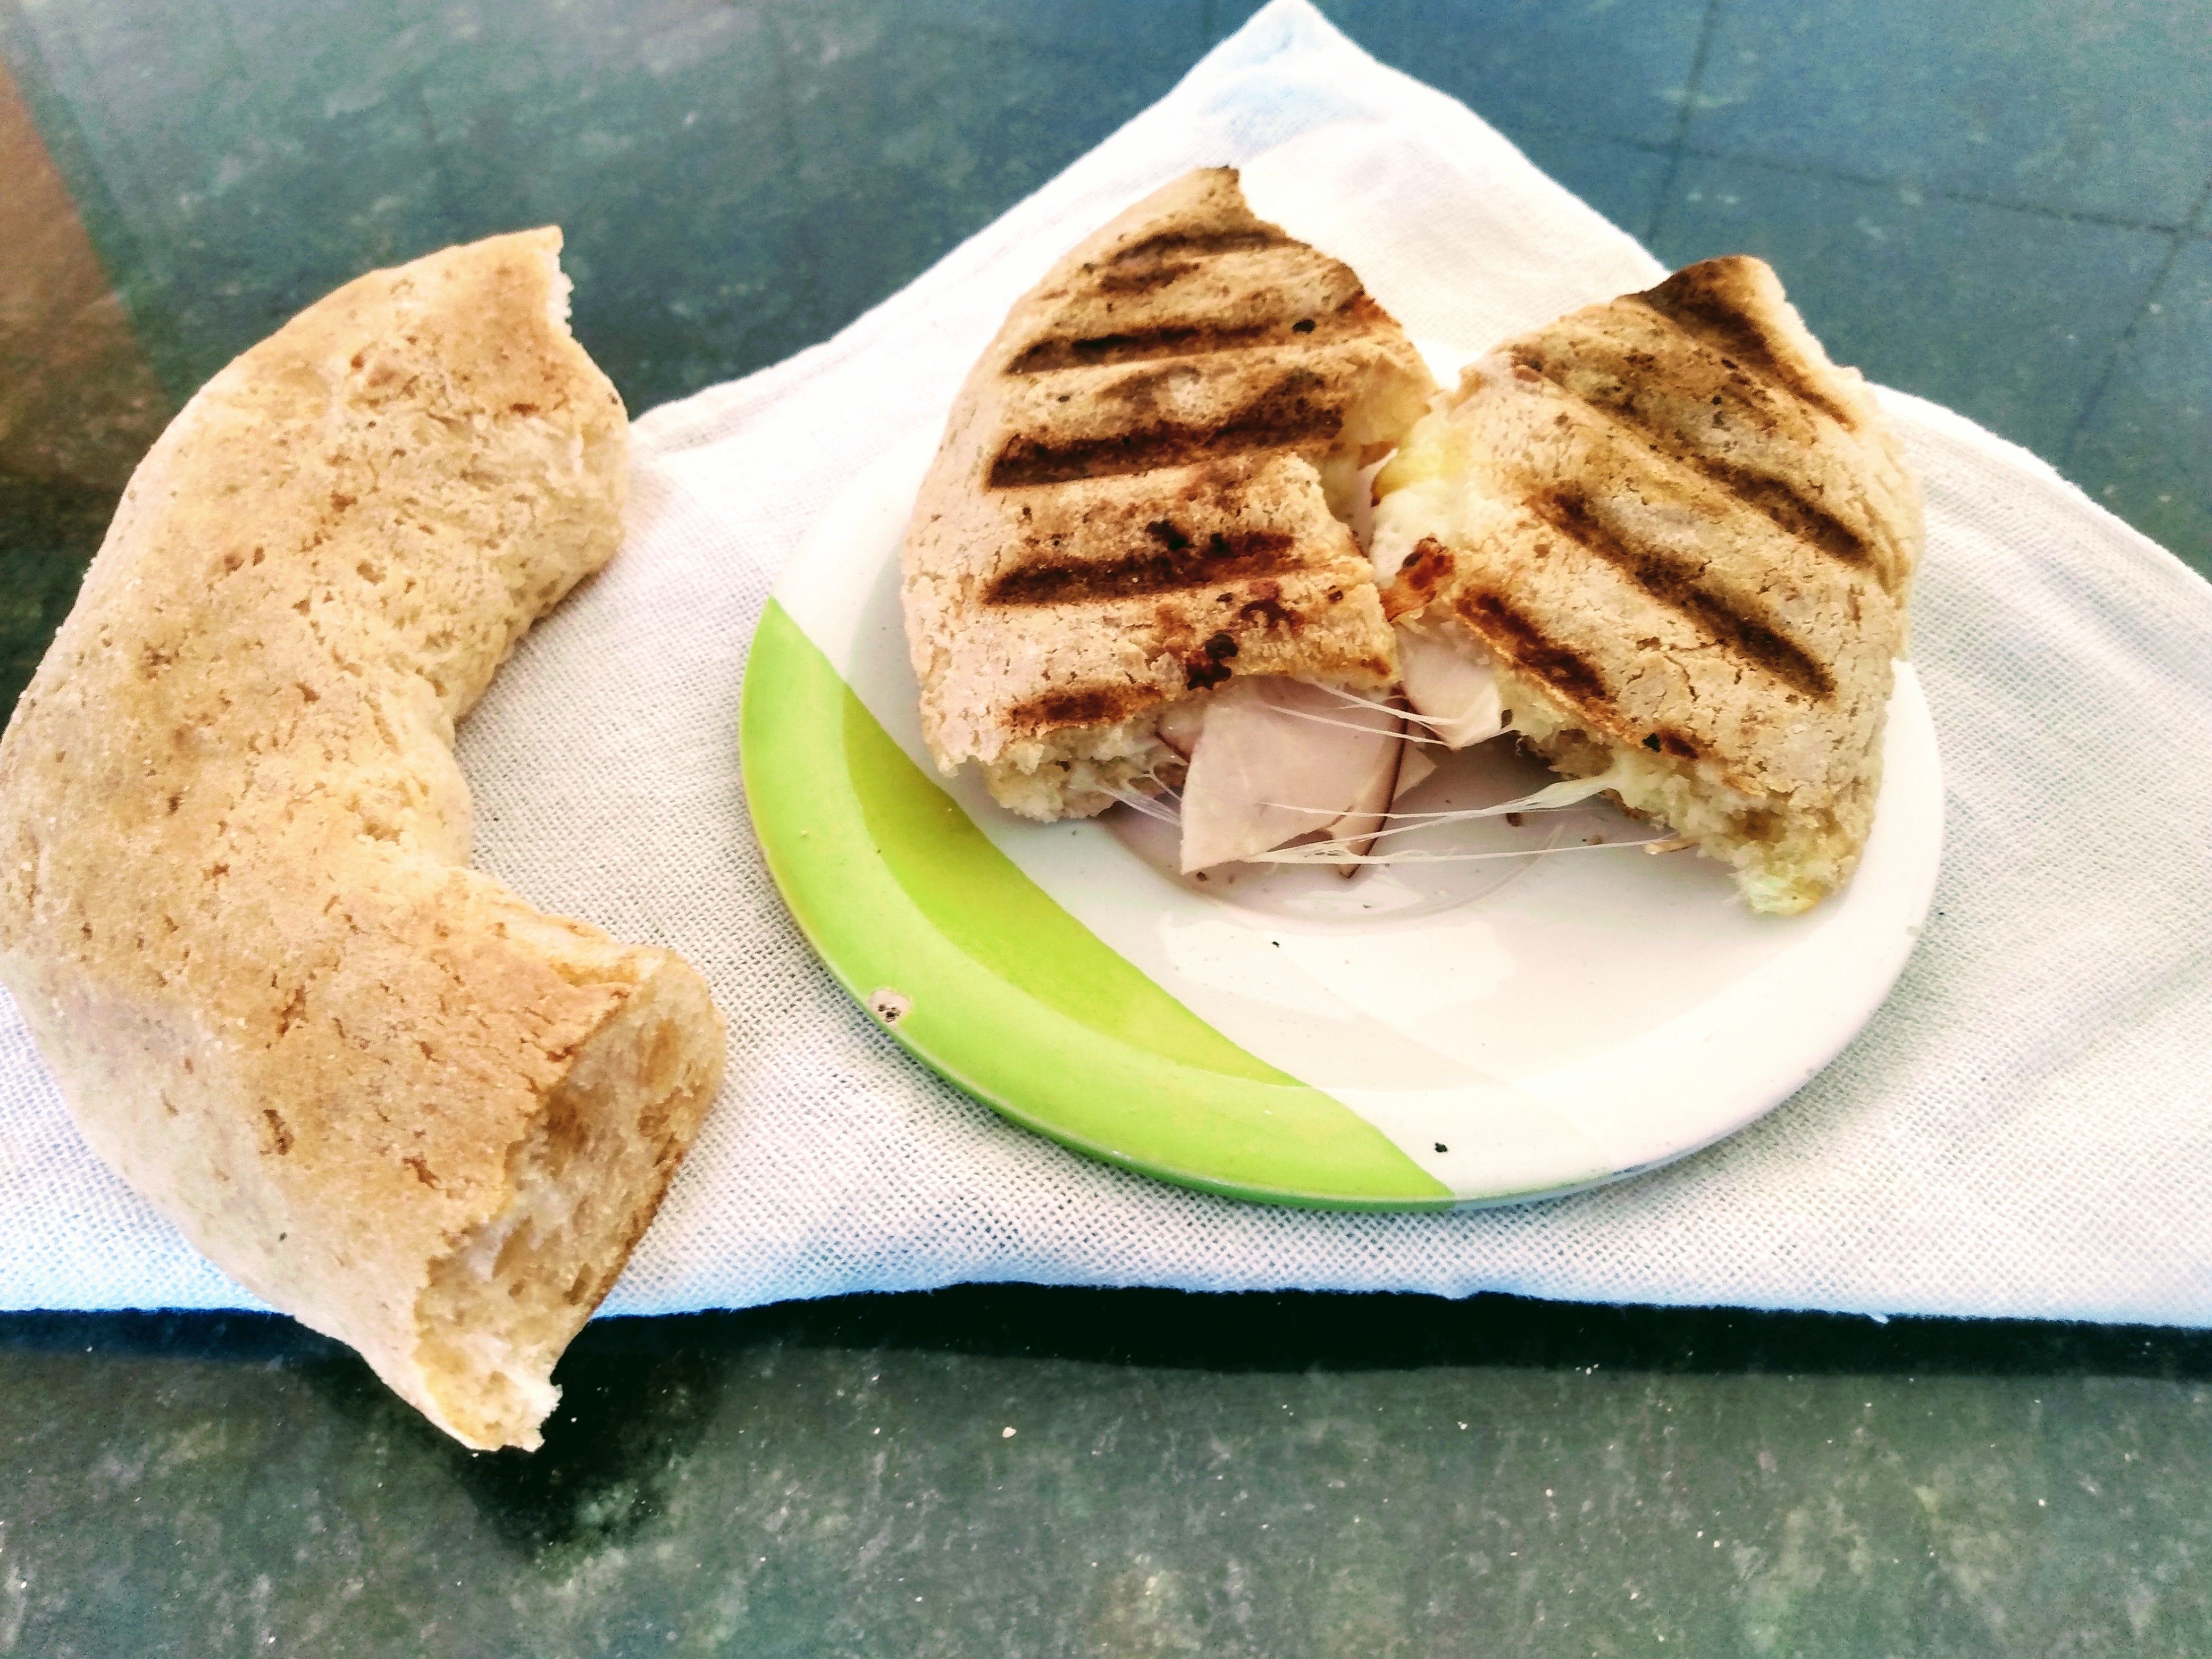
point(1451, 686)
point(1277, 759)
point(1371, 807)
point(1414, 769)
point(1181, 722)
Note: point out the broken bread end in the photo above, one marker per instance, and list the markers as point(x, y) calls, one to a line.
point(583, 1183)
point(376, 1088)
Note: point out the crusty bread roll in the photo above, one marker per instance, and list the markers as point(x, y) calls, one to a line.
point(376, 1087)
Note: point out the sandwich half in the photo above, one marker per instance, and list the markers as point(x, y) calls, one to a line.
point(1667, 542)
point(1141, 503)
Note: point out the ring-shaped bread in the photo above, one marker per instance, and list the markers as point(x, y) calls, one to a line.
point(374, 1086)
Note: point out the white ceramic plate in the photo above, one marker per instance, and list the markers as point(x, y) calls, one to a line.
point(1424, 1036)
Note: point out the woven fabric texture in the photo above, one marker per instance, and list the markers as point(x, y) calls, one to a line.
point(2024, 1128)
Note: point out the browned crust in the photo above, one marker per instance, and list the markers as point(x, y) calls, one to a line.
point(1356, 313)
point(1717, 301)
point(1128, 503)
point(1077, 705)
point(1784, 503)
point(1673, 581)
point(1294, 413)
point(1683, 523)
point(1427, 570)
point(1522, 644)
point(1174, 562)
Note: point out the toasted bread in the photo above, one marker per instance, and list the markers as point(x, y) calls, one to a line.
point(1687, 540)
point(1141, 492)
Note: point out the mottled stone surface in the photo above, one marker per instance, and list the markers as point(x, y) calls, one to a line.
point(2041, 104)
point(1020, 1472)
point(2010, 317)
point(2145, 451)
point(2000, 204)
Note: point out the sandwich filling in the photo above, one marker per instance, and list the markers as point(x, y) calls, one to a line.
point(1276, 759)
point(1678, 541)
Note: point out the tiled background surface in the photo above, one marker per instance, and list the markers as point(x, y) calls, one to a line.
point(2000, 204)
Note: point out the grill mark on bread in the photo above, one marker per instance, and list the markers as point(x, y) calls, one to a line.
point(1287, 415)
point(1209, 665)
point(1137, 346)
point(1143, 278)
point(1510, 633)
point(1784, 506)
point(1176, 563)
point(1693, 300)
point(1422, 576)
point(1787, 509)
point(1193, 339)
point(1198, 244)
point(1160, 259)
point(1266, 609)
point(1081, 705)
point(1673, 583)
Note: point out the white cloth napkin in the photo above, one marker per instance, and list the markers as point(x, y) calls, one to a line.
point(2025, 1128)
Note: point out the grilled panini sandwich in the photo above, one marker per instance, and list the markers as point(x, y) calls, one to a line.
point(1141, 495)
point(1681, 540)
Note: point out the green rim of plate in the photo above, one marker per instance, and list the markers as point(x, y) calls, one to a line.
point(1008, 995)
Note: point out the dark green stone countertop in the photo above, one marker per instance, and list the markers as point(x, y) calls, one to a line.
point(1014, 1471)
point(2000, 204)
